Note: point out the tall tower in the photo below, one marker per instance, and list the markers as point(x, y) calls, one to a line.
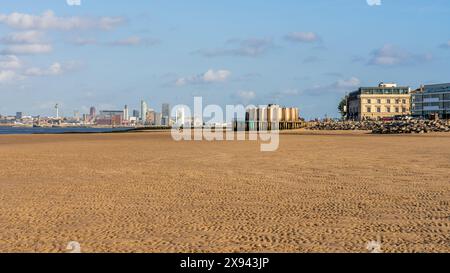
point(144, 109)
point(165, 113)
point(126, 114)
point(92, 112)
point(57, 111)
point(180, 117)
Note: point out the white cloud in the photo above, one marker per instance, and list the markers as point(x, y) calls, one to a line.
point(374, 2)
point(237, 47)
point(25, 42)
point(348, 83)
point(285, 93)
point(130, 41)
point(340, 86)
point(48, 20)
point(27, 49)
point(83, 41)
point(25, 37)
point(210, 76)
point(7, 75)
point(390, 55)
point(302, 37)
point(216, 76)
point(246, 95)
point(54, 70)
point(134, 41)
point(12, 69)
point(10, 62)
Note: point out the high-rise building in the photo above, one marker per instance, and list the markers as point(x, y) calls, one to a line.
point(92, 112)
point(86, 118)
point(180, 118)
point(165, 114)
point(431, 100)
point(126, 113)
point(150, 117)
point(57, 110)
point(144, 109)
point(158, 119)
point(19, 115)
point(136, 114)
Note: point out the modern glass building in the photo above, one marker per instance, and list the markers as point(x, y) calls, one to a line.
point(432, 99)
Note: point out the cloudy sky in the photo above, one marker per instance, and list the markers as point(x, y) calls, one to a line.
point(108, 53)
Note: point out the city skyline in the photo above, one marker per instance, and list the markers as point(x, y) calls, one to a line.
point(108, 53)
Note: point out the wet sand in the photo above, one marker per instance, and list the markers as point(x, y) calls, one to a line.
point(143, 192)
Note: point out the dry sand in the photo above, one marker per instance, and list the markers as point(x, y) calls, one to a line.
point(143, 192)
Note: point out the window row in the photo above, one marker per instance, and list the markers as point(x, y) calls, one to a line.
point(387, 110)
point(439, 97)
point(388, 101)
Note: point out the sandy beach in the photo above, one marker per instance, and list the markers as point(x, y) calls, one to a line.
point(144, 192)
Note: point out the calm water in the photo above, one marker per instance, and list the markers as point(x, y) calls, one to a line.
point(27, 131)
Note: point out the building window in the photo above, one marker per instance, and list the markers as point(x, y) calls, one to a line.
point(404, 110)
point(369, 101)
point(378, 109)
point(388, 101)
point(369, 110)
point(378, 101)
point(397, 101)
point(404, 101)
point(397, 110)
point(388, 109)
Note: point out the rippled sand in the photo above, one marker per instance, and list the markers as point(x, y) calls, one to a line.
point(143, 192)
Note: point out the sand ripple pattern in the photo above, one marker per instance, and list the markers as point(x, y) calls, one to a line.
point(143, 192)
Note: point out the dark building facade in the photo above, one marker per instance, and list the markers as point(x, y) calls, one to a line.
point(431, 100)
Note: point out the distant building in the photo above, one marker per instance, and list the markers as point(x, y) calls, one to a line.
point(92, 112)
point(165, 114)
point(385, 101)
point(126, 113)
point(180, 118)
point(7, 120)
point(431, 99)
point(76, 115)
point(110, 117)
point(19, 115)
point(144, 109)
point(111, 113)
point(150, 117)
point(133, 120)
point(270, 117)
point(86, 118)
point(136, 114)
point(158, 119)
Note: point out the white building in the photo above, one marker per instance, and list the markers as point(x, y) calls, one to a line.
point(144, 109)
point(126, 113)
point(180, 118)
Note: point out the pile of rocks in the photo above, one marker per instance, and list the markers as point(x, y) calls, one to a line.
point(407, 126)
point(344, 125)
point(411, 127)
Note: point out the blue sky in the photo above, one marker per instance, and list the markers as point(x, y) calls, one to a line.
point(308, 54)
